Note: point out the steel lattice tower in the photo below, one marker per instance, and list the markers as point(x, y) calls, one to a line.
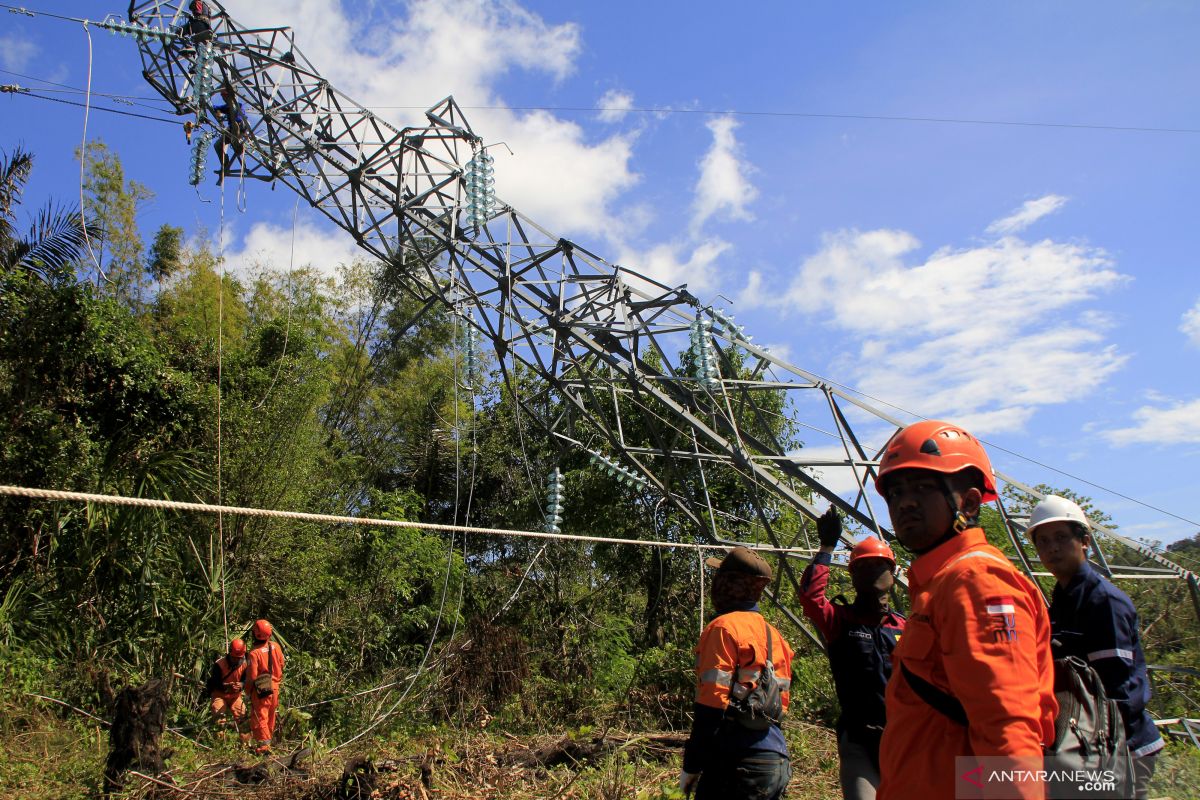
point(604, 339)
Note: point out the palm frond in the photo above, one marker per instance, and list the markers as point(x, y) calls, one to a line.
point(54, 243)
point(14, 172)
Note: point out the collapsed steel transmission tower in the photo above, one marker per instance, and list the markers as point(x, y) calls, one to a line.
point(603, 339)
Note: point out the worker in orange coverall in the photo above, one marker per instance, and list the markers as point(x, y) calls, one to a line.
point(736, 750)
point(225, 688)
point(264, 673)
point(971, 700)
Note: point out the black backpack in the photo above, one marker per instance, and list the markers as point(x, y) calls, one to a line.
point(761, 707)
point(1089, 733)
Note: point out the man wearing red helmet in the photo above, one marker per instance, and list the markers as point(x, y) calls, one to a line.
point(974, 675)
point(225, 687)
point(859, 640)
point(264, 673)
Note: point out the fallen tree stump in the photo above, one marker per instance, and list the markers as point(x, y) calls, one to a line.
point(134, 740)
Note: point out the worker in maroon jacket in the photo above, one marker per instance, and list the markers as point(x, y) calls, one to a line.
point(859, 637)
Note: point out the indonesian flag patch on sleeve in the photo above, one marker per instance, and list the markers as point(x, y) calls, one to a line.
point(1003, 615)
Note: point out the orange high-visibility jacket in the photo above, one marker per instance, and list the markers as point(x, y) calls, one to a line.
point(223, 676)
point(978, 629)
point(734, 648)
point(257, 661)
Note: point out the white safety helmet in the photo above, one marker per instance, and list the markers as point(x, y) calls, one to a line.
point(1056, 509)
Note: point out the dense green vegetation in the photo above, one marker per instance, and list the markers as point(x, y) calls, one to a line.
point(162, 372)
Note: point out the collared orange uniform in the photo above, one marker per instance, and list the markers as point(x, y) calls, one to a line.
point(264, 657)
point(226, 689)
point(977, 629)
point(733, 648)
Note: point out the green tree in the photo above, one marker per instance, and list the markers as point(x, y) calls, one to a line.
point(112, 204)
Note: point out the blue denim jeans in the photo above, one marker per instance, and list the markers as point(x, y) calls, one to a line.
point(754, 775)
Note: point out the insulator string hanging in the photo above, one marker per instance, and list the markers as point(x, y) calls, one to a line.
point(202, 78)
point(704, 354)
point(554, 502)
point(200, 157)
point(479, 181)
point(472, 373)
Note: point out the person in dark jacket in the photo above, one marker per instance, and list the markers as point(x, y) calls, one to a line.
point(198, 27)
point(859, 639)
point(1096, 622)
point(732, 754)
point(236, 127)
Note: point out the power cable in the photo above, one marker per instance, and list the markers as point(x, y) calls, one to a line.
point(1025, 458)
point(27, 93)
point(77, 90)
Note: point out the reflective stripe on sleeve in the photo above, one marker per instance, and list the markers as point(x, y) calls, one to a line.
point(1116, 652)
point(748, 674)
point(1149, 749)
point(718, 676)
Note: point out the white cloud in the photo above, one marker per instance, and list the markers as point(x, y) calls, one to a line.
point(614, 105)
point(753, 294)
point(432, 48)
point(673, 263)
point(723, 185)
point(1029, 212)
point(16, 52)
point(1177, 423)
point(270, 245)
point(1190, 324)
point(983, 335)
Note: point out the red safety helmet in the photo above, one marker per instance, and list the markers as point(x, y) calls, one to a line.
point(872, 547)
point(937, 447)
point(237, 649)
point(262, 630)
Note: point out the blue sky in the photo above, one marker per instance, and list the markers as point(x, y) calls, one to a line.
point(1038, 284)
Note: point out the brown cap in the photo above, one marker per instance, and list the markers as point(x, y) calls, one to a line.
point(742, 559)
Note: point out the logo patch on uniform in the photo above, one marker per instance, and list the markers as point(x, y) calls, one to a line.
point(1003, 615)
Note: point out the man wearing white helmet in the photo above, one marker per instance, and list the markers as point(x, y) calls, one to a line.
point(1096, 622)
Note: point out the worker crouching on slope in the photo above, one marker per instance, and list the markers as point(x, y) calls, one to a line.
point(264, 673)
point(1096, 622)
point(973, 675)
point(859, 640)
point(744, 670)
point(225, 683)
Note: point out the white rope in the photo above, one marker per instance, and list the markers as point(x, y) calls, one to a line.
point(302, 516)
point(83, 154)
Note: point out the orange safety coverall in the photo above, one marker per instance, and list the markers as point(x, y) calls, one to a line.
point(978, 629)
point(733, 649)
point(229, 696)
point(264, 657)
